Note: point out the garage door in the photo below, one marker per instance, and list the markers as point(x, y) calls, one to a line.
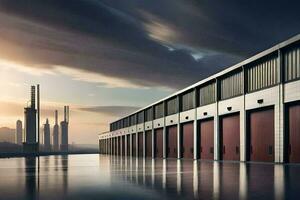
point(261, 130)
point(148, 143)
point(158, 143)
point(113, 146)
point(187, 140)
point(294, 132)
point(123, 145)
point(140, 144)
point(206, 133)
point(133, 144)
point(230, 137)
point(172, 142)
point(128, 145)
point(119, 145)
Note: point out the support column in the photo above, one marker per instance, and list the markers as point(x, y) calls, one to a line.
point(216, 135)
point(243, 146)
point(178, 130)
point(130, 148)
point(164, 142)
point(121, 145)
point(152, 138)
point(280, 117)
point(195, 136)
point(216, 128)
point(136, 143)
point(126, 153)
point(144, 143)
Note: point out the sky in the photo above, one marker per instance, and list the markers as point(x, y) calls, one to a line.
point(107, 58)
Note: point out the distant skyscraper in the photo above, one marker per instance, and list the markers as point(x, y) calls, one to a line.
point(31, 122)
point(56, 134)
point(19, 132)
point(47, 144)
point(64, 130)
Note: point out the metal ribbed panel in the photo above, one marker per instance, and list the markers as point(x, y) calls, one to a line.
point(232, 86)
point(188, 101)
point(132, 120)
point(159, 111)
point(207, 94)
point(148, 114)
point(172, 107)
point(291, 61)
point(140, 117)
point(263, 74)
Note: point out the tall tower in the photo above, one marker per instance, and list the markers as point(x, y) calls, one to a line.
point(19, 132)
point(31, 114)
point(56, 134)
point(64, 130)
point(47, 145)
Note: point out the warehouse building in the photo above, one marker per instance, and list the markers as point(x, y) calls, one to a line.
point(247, 112)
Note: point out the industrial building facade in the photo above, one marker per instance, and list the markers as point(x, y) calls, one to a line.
point(247, 112)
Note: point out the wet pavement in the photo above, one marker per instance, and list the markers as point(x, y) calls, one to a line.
point(113, 177)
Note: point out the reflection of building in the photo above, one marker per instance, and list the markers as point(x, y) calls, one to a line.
point(19, 132)
point(247, 112)
point(47, 144)
point(31, 132)
point(64, 130)
point(56, 134)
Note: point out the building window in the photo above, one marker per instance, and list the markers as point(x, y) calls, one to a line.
point(188, 101)
point(263, 74)
point(140, 117)
point(172, 106)
point(158, 110)
point(148, 115)
point(232, 85)
point(207, 94)
point(291, 63)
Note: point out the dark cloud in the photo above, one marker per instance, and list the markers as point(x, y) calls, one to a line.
point(111, 110)
point(150, 43)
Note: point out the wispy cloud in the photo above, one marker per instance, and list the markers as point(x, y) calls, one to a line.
point(111, 110)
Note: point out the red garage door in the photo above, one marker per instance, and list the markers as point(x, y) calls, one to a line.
point(158, 143)
point(206, 133)
point(140, 144)
point(172, 142)
point(294, 132)
point(128, 145)
point(230, 137)
point(148, 143)
point(187, 140)
point(262, 135)
point(133, 144)
point(123, 145)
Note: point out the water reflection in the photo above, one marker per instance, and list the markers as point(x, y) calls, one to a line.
point(113, 177)
point(211, 180)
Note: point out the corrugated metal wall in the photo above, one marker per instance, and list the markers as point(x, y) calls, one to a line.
point(126, 122)
point(291, 61)
point(159, 110)
point(232, 86)
point(148, 114)
point(263, 74)
point(188, 101)
point(172, 106)
point(207, 94)
point(132, 120)
point(140, 117)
